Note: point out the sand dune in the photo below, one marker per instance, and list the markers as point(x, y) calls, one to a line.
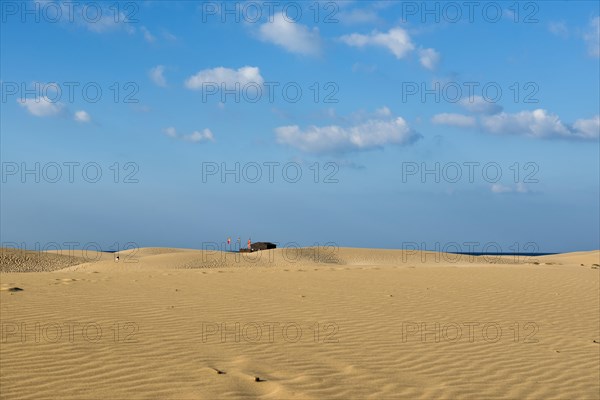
point(171, 258)
point(585, 257)
point(300, 324)
point(16, 260)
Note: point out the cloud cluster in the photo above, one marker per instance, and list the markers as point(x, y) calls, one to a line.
point(429, 58)
point(479, 105)
point(300, 39)
point(592, 37)
point(41, 106)
point(44, 107)
point(225, 76)
point(538, 123)
point(397, 41)
point(148, 36)
point(157, 76)
point(590, 34)
point(205, 135)
point(519, 188)
point(292, 36)
point(367, 135)
point(99, 18)
point(82, 116)
point(559, 29)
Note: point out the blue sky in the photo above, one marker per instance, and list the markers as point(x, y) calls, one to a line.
point(390, 90)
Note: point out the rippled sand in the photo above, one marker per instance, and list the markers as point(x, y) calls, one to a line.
point(308, 324)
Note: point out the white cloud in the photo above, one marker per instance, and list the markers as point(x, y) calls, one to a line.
point(169, 36)
point(588, 128)
point(292, 36)
point(101, 18)
point(559, 29)
point(383, 112)
point(429, 58)
point(200, 136)
point(157, 75)
point(171, 132)
point(82, 116)
point(592, 37)
point(499, 188)
point(147, 35)
point(41, 106)
point(459, 120)
point(479, 105)
point(539, 124)
point(194, 137)
point(225, 76)
point(374, 133)
point(105, 22)
point(396, 40)
point(520, 187)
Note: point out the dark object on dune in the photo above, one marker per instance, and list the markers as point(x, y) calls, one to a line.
point(263, 246)
point(15, 289)
point(258, 246)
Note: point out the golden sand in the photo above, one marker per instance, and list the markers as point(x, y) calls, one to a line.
point(299, 324)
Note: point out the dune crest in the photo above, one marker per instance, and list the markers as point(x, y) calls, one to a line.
point(12, 260)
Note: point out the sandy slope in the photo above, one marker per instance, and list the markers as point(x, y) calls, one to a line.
point(310, 323)
point(16, 260)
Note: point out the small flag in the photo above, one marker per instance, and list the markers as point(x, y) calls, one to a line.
point(228, 240)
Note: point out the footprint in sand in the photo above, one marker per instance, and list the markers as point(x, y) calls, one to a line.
point(65, 281)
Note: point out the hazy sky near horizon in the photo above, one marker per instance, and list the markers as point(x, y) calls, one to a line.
point(364, 124)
